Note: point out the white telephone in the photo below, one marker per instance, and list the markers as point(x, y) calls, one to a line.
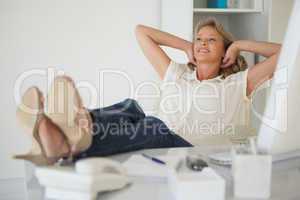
point(84, 181)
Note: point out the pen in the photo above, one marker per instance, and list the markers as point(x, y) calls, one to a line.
point(154, 159)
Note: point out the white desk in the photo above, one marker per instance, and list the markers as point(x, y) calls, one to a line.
point(285, 181)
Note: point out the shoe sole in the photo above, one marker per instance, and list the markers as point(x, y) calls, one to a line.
point(29, 113)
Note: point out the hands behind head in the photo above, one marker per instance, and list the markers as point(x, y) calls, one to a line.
point(230, 56)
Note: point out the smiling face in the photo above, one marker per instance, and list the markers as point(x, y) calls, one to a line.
point(209, 45)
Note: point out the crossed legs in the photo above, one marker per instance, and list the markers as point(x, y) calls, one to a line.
point(63, 131)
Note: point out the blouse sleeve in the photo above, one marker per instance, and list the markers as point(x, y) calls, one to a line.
point(173, 72)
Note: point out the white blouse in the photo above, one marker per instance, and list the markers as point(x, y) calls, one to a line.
point(203, 112)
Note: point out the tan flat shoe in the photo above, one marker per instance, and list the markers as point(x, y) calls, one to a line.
point(66, 110)
point(29, 113)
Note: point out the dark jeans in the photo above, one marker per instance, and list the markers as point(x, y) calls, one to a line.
point(123, 127)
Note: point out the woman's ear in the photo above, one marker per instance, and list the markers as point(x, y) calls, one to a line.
point(222, 62)
point(222, 58)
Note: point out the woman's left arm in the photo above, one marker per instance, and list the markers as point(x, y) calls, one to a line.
point(262, 71)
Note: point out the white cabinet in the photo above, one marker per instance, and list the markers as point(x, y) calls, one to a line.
point(233, 6)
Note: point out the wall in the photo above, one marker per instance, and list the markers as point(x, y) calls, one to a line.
point(281, 10)
point(78, 37)
point(177, 18)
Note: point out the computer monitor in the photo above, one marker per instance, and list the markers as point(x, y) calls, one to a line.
point(279, 132)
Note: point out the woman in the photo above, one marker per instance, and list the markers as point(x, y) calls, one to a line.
point(216, 75)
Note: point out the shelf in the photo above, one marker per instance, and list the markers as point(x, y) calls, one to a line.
point(225, 10)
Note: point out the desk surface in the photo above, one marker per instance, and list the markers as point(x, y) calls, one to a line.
point(285, 180)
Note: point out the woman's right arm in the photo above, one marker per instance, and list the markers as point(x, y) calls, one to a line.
point(151, 39)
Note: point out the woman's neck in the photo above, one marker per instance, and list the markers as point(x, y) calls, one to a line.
point(207, 70)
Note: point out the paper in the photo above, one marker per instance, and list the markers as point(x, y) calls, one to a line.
point(137, 165)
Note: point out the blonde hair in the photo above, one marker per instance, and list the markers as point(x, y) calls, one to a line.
point(228, 39)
